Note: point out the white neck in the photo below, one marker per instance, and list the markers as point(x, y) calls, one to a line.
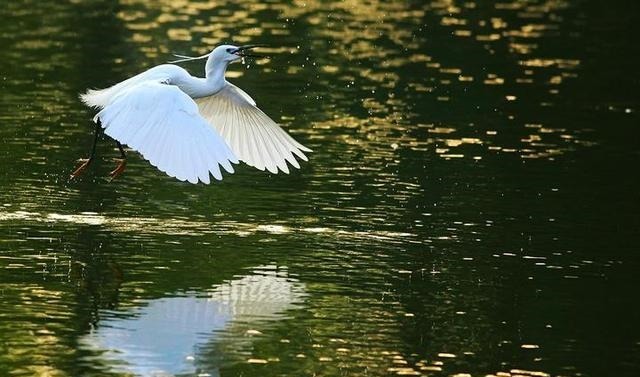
point(197, 87)
point(214, 71)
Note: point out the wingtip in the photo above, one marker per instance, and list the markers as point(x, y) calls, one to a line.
point(229, 168)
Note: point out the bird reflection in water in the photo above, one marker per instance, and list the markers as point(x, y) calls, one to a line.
point(169, 335)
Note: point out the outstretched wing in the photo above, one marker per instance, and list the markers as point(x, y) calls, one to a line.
point(163, 124)
point(252, 135)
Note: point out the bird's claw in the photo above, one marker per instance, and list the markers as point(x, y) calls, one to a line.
point(81, 168)
point(115, 173)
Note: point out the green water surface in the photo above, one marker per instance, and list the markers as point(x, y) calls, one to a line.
point(471, 206)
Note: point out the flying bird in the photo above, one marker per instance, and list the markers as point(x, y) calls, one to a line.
point(189, 127)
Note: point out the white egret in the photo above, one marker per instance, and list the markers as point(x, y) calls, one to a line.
point(187, 126)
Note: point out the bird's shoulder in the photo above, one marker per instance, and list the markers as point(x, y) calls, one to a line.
point(236, 95)
point(165, 73)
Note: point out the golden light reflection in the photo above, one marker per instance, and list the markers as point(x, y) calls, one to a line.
point(382, 142)
point(151, 225)
point(49, 308)
point(358, 29)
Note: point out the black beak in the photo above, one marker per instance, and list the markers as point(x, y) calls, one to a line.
point(242, 51)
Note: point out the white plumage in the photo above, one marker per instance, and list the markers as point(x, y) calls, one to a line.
point(252, 135)
point(188, 126)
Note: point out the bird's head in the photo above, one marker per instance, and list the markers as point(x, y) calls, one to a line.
point(232, 53)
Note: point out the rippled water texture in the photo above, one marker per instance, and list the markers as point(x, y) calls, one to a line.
point(471, 206)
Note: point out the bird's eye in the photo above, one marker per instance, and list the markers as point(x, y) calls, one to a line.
point(230, 50)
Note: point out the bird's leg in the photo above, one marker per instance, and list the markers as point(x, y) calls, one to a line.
point(122, 163)
point(86, 161)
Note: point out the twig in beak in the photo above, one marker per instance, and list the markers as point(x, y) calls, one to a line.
point(241, 51)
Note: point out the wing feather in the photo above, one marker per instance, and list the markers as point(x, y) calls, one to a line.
point(278, 148)
point(163, 124)
point(203, 162)
point(270, 157)
point(254, 137)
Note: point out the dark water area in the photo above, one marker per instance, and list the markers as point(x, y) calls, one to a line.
point(471, 206)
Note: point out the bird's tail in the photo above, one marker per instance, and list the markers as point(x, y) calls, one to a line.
point(98, 98)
